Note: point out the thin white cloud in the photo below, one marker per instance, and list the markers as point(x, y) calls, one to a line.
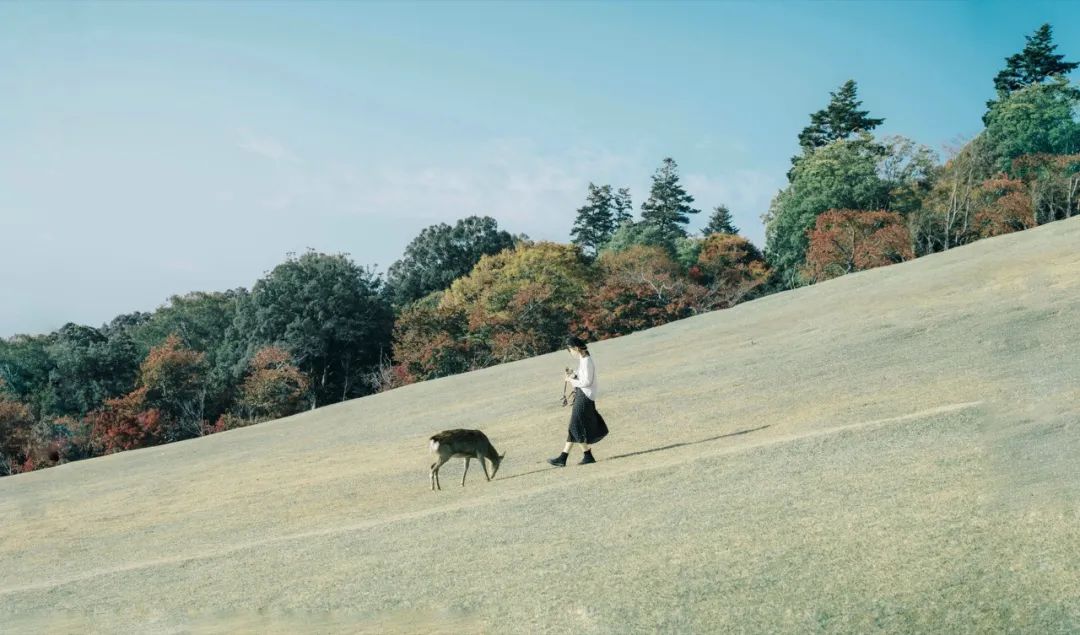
point(265, 146)
point(525, 188)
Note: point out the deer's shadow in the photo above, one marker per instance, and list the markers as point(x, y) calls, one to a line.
point(662, 448)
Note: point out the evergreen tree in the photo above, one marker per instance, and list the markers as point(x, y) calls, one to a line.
point(623, 207)
point(668, 207)
point(720, 222)
point(595, 220)
point(839, 120)
point(1036, 63)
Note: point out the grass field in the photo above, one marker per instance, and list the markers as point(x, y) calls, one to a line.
point(897, 450)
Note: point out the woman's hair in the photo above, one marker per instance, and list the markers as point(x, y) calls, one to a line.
point(578, 343)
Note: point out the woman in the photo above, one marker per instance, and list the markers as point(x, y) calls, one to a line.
point(586, 424)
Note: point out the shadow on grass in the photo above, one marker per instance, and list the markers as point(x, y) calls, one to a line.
point(651, 450)
point(686, 443)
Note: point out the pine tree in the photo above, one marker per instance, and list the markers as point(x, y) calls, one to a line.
point(839, 120)
point(595, 220)
point(1036, 63)
point(623, 207)
point(668, 207)
point(720, 222)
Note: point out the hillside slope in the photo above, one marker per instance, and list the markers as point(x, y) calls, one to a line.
point(894, 450)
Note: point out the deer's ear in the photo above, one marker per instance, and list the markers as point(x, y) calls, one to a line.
point(502, 456)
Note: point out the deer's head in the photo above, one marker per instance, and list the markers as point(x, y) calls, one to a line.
point(496, 463)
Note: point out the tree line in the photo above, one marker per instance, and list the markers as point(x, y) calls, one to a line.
point(319, 329)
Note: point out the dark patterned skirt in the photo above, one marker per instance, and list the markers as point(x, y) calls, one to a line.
point(586, 424)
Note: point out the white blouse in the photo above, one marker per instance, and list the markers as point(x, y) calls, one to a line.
point(586, 377)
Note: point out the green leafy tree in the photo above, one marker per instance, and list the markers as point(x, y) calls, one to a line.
point(24, 368)
point(596, 220)
point(442, 254)
point(720, 222)
point(1033, 65)
point(1038, 119)
point(328, 313)
point(841, 119)
point(668, 207)
point(86, 368)
point(841, 175)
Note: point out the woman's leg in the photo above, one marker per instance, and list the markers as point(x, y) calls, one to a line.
point(566, 448)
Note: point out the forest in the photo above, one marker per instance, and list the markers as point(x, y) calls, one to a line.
point(319, 329)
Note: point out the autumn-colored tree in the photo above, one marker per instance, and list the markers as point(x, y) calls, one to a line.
point(57, 441)
point(431, 339)
point(274, 387)
point(1004, 207)
point(844, 241)
point(1053, 182)
point(730, 268)
point(520, 302)
point(946, 217)
point(637, 288)
point(388, 376)
point(127, 423)
point(16, 421)
point(173, 380)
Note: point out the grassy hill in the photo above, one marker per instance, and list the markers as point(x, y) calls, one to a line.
point(896, 450)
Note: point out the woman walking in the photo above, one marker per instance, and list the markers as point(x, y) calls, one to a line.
point(586, 424)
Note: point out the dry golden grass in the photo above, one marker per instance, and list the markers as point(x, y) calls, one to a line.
point(892, 451)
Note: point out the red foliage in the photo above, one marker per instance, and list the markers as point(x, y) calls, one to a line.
point(125, 423)
point(844, 241)
point(639, 288)
point(16, 422)
point(227, 421)
point(275, 387)
point(430, 340)
point(172, 372)
point(730, 268)
point(1007, 207)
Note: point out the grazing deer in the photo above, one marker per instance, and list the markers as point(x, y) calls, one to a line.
point(467, 444)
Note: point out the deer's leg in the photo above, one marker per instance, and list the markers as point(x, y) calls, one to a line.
point(465, 472)
point(483, 464)
point(435, 473)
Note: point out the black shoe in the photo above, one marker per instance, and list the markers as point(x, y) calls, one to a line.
point(559, 461)
point(587, 459)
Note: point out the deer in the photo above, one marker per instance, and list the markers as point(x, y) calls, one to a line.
point(466, 444)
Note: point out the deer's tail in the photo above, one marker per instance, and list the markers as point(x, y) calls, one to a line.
point(433, 445)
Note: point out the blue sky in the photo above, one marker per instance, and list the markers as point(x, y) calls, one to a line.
point(148, 149)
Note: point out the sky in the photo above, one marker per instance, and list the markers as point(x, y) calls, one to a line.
point(152, 149)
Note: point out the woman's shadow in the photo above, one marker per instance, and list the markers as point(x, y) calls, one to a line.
point(659, 449)
point(686, 443)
